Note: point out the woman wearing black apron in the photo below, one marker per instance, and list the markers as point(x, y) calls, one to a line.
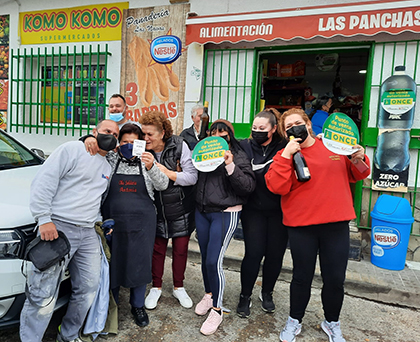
point(129, 201)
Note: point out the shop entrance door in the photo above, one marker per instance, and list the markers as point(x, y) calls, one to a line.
point(305, 78)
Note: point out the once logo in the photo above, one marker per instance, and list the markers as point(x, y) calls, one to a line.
point(165, 49)
point(386, 237)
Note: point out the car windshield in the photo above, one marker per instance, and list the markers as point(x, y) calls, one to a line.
point(13, 154)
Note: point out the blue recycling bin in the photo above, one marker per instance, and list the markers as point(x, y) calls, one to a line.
point(391, 226)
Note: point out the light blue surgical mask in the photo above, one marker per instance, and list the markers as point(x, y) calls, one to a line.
point(117, 117)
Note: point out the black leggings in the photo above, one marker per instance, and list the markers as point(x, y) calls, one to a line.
point(331, 241)
point(265, 236)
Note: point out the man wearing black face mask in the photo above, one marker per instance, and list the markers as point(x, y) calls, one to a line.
point(66, 195)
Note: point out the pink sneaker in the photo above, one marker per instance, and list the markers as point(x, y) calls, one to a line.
point(212, 322)
point(204, 306)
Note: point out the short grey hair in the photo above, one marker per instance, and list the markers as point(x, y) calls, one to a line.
point(195, 108)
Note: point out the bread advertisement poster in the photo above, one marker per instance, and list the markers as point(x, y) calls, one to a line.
point(153, 61)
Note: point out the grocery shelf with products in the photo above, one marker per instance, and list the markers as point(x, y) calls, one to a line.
point(79, 86)
point(296, 80)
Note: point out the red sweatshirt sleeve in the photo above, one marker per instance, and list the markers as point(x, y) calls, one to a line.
point(353, 172)
point(279, 176)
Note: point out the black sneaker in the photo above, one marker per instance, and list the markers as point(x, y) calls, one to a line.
point(140, 316)
point(243, 307)
point(267, 302)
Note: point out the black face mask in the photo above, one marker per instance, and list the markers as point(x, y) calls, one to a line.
point(226, 137)
point(298, 132)
point(259, 137)
point(106, 142)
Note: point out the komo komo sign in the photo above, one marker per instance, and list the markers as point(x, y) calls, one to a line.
point(76, 24)
point(366, 18)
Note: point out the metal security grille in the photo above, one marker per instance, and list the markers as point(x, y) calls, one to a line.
point(384, 57)
point(229, 75)
point(58, 91)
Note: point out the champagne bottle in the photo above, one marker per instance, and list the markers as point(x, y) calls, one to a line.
point(301, 168)
point(204, 122)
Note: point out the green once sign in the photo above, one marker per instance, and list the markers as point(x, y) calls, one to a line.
point(209, 153)
point(340, 134)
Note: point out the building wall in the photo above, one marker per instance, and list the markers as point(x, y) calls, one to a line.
point(48, 142)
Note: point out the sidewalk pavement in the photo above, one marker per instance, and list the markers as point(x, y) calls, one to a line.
point(363, 280)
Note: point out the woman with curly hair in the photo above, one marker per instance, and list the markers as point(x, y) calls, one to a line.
point(175, 205)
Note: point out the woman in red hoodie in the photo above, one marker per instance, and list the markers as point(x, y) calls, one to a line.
point(317, 215)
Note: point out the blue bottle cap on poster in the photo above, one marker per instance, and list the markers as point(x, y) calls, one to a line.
point(165, 49)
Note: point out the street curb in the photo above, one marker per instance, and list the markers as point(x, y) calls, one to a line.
point(365, 290)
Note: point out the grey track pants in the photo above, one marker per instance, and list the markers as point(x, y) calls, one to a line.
point(84, 266)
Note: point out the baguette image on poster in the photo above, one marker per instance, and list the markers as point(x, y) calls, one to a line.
point(153, 62)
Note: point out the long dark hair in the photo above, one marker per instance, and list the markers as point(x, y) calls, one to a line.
point(222, 127)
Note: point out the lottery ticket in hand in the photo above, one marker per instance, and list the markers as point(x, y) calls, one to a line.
point(139, 146)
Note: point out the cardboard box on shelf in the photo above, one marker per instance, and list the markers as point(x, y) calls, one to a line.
point(299, 68)
point(286, 70)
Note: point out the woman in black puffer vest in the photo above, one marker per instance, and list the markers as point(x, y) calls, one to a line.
point(175, 205)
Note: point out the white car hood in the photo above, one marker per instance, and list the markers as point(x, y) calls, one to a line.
point(14, 199)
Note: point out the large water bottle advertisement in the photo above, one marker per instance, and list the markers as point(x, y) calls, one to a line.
point(396, 114)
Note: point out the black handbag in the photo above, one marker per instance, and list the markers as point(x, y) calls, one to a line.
point(44, 254)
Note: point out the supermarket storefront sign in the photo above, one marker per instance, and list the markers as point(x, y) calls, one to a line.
point(77, 24)
point(345, 20)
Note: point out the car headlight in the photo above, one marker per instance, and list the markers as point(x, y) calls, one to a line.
point(10, 243)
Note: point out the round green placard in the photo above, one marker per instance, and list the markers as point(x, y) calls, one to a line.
point(340, 134)
point(209, 153)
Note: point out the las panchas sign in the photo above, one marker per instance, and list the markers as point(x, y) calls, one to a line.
point(76, 24)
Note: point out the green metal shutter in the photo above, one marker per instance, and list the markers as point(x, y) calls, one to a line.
point(228, 87)
point(58, 91)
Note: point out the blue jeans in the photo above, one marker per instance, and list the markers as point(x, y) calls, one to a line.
point(214, 232)
point(84, 266)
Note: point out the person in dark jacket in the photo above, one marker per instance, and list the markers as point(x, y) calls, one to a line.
point(175, 205)
point(219, 200)
point(264, 234)
point(190, 134)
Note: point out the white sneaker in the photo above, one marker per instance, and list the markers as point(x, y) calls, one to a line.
point(183, 297)
point(333, 330)
point(152, 298)
point(290, 330)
